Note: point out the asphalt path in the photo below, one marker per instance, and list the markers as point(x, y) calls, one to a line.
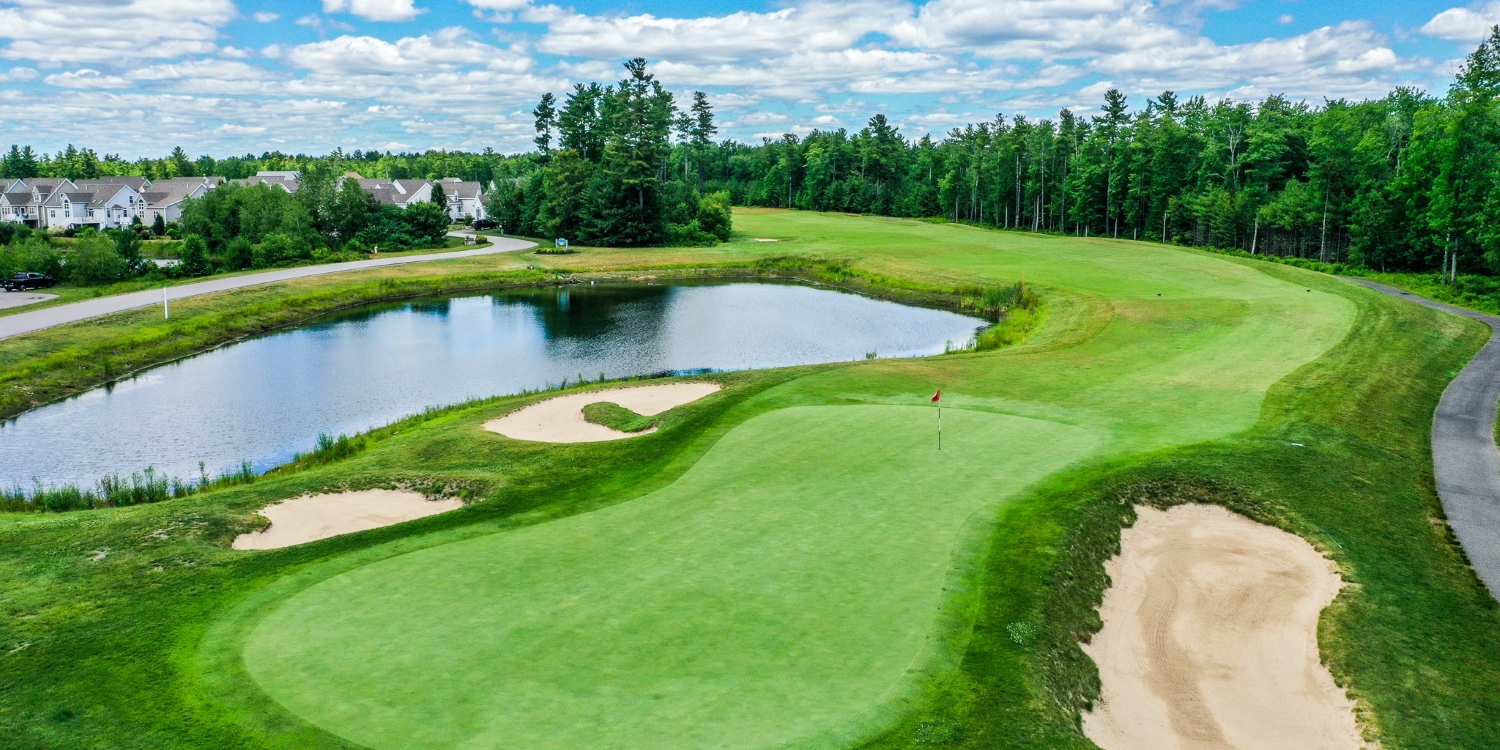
point(36, 320)
point(1465, 461)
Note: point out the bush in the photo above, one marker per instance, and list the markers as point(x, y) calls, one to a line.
point(690, 234)
point(280, 248)
point(34, 255)
point(93, 261)
point(194, 257)
point(714, 215)
point(426, 223)
point(239, 254)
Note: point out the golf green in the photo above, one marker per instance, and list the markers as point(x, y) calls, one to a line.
point(782, 591)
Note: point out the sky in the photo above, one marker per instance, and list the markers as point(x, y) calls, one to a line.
point(225, 77)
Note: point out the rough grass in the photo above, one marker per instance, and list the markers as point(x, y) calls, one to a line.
point(1197, 371)
point(617, 417)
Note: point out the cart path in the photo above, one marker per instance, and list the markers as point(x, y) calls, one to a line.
point(1465, 460)
point(30, 322)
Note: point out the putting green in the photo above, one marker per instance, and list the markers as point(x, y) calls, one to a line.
point(781, 591)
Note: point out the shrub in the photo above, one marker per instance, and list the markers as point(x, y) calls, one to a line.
point(93, 260)
point(714, 215)
point(194, 257)
point(32, 254)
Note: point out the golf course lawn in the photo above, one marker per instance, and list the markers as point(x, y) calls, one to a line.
point(788, 562)
point(778, 590)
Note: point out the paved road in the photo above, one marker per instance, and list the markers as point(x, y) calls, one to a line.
point(28, 322)
point(1465, 460)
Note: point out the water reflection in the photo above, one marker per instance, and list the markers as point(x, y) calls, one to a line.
point(266, 398)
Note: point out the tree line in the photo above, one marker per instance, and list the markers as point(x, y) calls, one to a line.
point(1407, 182)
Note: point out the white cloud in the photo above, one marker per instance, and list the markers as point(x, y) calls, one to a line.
point(444, 50)
point(500, 5)
point(1469, 24)
point(811, 27)
point(228, 129)
point(1285, 18)
point(86, 78)
point(265, 16)
point(75, 31)
point(18, 74)
point(375, 10)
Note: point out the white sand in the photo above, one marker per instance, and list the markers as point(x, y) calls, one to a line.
point(1210, 639)
point(560, 420)
point(313, 517)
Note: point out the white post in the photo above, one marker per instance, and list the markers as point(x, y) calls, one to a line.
point(166, 309)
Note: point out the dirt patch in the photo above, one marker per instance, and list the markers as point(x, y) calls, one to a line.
point(560, 420)
point(313, 517)
point(1210, 639)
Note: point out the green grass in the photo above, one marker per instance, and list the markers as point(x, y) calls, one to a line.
point(1158, 375)
point(691, 616)
point(616, 417)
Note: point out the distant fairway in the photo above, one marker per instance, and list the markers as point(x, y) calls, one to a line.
point(782, 588)
point(773, 593)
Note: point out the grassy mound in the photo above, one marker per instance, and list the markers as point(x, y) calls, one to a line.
point(616, 417)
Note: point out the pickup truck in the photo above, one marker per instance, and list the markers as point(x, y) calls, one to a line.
point(25, 281)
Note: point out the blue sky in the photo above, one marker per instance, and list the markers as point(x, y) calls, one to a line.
point(137, 77)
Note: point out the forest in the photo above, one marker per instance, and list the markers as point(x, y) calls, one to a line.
point(1408, 182)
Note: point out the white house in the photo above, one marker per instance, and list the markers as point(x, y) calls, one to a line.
point(398, 193)
point(464, 198)
point(164, 197)
point(106, 203)
point(18, 203)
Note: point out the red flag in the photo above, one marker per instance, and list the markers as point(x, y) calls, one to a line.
point(937, 396)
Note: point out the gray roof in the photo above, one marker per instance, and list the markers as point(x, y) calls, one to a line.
point(289, 184)
point(20, 199)
point(164, 193)
point(135, 182)
point(456, 188)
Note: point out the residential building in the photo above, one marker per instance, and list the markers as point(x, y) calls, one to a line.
point(398, 193)
point(164, 197)
point(464, 198)
point(23, 202)
point(18, 203)
point(107, 203)
point(288, 181)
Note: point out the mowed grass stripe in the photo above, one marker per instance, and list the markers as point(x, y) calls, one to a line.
point(778, 590)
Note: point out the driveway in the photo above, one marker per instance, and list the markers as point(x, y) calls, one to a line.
point(1465, 461)
point(29, 322)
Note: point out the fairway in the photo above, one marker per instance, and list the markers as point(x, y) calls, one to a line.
point(789, 562)
point(777, 592)
point(803, 578)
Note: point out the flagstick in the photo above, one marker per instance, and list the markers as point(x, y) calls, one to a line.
point(166, 309)
point(940, 424)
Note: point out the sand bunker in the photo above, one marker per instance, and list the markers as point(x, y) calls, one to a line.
point(560, 420)
point(1210, 639)
point(313, 517)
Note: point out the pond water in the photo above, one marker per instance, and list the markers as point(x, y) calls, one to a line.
point(264, 399)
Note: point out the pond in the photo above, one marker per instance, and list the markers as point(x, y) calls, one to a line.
point(264, 399)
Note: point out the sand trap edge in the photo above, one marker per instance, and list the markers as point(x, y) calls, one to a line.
point(560, 419)
point(310, 518)
point(1180, 606)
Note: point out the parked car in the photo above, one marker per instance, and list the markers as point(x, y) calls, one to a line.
point(484, 224)
point(26, 280)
